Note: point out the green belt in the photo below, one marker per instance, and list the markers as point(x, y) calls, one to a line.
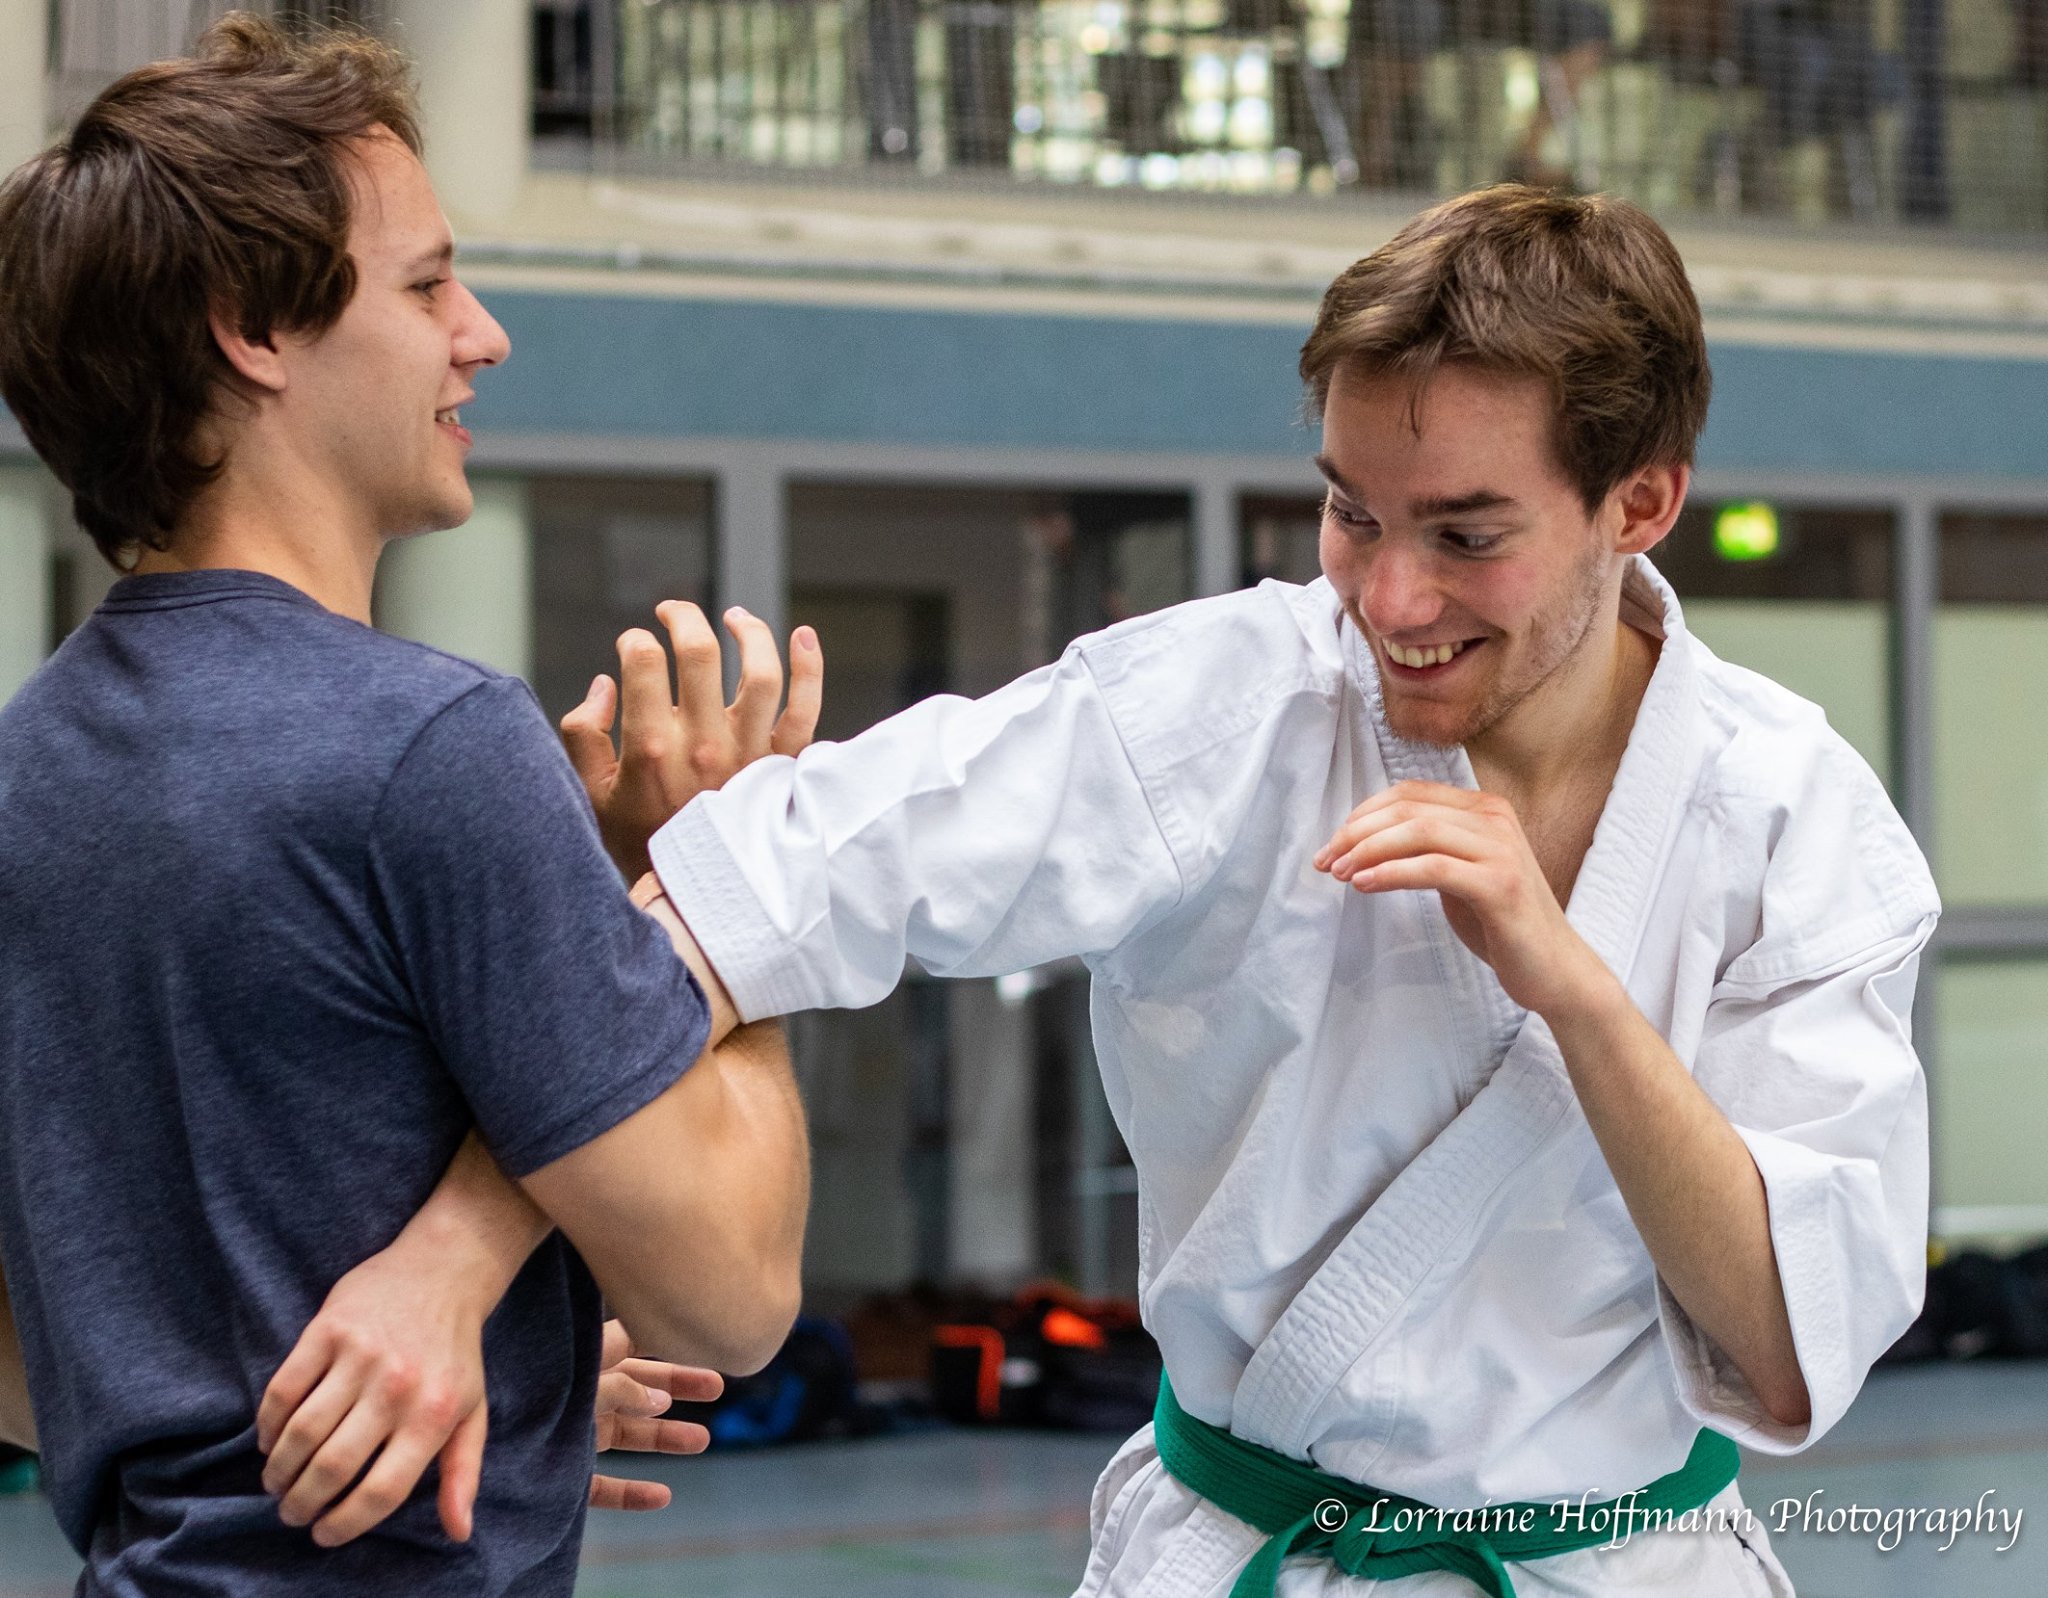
point(1366, 1532)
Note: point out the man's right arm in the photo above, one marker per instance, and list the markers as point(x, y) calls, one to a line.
point(690, 1212)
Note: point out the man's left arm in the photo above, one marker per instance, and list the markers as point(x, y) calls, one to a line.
point(1691, 1185)
point(392, 1365)
point(1691, 1182)
point(17, 1419)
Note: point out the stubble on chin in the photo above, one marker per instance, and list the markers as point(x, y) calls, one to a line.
point(1546, 653)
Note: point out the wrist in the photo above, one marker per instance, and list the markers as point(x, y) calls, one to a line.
point(1590, 999)
point(477, 1250)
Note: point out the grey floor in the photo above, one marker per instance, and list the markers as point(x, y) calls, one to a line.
point(979, 1515)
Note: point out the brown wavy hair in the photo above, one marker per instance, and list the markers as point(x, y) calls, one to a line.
point(216, 182)
point(1585, 293)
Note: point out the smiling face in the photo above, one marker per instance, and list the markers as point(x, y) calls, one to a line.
point(1461, 552)
point(371, 403)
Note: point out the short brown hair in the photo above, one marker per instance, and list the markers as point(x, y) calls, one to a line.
point(1583, 292)
point(210, 183)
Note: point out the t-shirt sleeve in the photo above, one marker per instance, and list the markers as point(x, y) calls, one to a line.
point(557, 1006)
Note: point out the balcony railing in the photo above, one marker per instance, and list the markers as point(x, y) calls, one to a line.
point(1853, 110)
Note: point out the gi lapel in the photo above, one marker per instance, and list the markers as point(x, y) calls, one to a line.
point(1438, 1198)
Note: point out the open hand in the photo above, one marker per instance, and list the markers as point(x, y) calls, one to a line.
point(391, 1368)
point(672, 749)
point(1471, 849)
point(631, 1394)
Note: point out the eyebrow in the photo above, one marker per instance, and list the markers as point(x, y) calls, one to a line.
point(441, 255)
point(1424, 509)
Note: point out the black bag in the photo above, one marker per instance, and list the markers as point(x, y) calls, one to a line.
point(805, 1391)
point(1980, 1305)
point(1048, 1358)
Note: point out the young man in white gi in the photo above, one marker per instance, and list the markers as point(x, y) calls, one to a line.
point(1504, 1001)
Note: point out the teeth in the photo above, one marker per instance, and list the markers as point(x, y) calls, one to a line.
point(1434, 655)
point(453, 417)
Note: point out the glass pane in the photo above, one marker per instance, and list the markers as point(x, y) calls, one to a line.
point(1990, 737)
point(914, 591)
point(606, 551)
point(1812, 613)
point(1990, 1092)
point(1120, 555)
point(1279, 539)
point(1834, 653)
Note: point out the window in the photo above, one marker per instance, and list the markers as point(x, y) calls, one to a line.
point(606, 551)
point(1990, 736)
point(1814, 614)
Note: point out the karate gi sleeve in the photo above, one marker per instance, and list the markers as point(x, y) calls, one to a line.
point(1819, 1077)
point(974, 836)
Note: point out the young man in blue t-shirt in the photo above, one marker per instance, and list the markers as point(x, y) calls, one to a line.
point(307, 934)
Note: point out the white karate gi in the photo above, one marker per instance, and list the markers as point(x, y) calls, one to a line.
point(1376, 1231)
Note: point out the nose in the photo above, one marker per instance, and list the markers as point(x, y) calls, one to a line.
point(1395, 590)
point(479, 340)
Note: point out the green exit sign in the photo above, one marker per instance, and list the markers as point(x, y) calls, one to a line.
point(1746, 532)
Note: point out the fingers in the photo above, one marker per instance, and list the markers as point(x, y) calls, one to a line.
point(396, 1474)
point(1445, 873)
point(339, 1460)
point(296, 1377)
point(620, 1394)
point(587, 734)
point(1393, 807)
point(462, 1470)
point(688, 1382)
point(760, 686)
point(615, 1492)
point(618, 1342)
point(700, 688)
point(799, 721)
point(1413, 835)
point(310, 1426)
point(635, 1436)
point(646, 711)
point(1413, 792)
point(390, 1481)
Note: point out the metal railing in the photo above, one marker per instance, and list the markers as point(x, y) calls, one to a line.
point(1809, 110)
point(93, 42)
point(1856, 110)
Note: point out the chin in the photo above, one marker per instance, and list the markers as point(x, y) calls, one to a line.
point(448, 510)
point(1444, 731)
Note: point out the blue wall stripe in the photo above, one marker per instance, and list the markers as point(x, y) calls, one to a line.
point(854, 374)
point(740, 369)
point(621, 365)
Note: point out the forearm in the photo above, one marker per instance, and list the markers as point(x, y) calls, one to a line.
point(1691, 1187)
point(17, 1418)
point(745, 1211)
point(691, 1212)
point(477, 1225)
point(649, 895)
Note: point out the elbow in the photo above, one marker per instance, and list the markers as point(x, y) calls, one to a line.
point(737, 1331)
point(1785, 1398)
point(1793, 1410)
point(759, 1334)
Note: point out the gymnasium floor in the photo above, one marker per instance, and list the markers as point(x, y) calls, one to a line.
point(960, 1515)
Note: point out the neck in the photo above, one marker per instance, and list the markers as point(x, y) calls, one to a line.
point(300, 538)
point(1577, 723)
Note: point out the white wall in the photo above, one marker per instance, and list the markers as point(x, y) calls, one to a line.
point(24, 575)
point(468, 590)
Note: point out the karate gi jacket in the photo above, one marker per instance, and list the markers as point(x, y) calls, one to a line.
point(1375, 1229)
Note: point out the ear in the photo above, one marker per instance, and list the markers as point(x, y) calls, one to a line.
point(256, 361)
point(1647, 504)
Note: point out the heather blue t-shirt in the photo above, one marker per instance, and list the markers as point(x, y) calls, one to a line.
point(286, 907)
